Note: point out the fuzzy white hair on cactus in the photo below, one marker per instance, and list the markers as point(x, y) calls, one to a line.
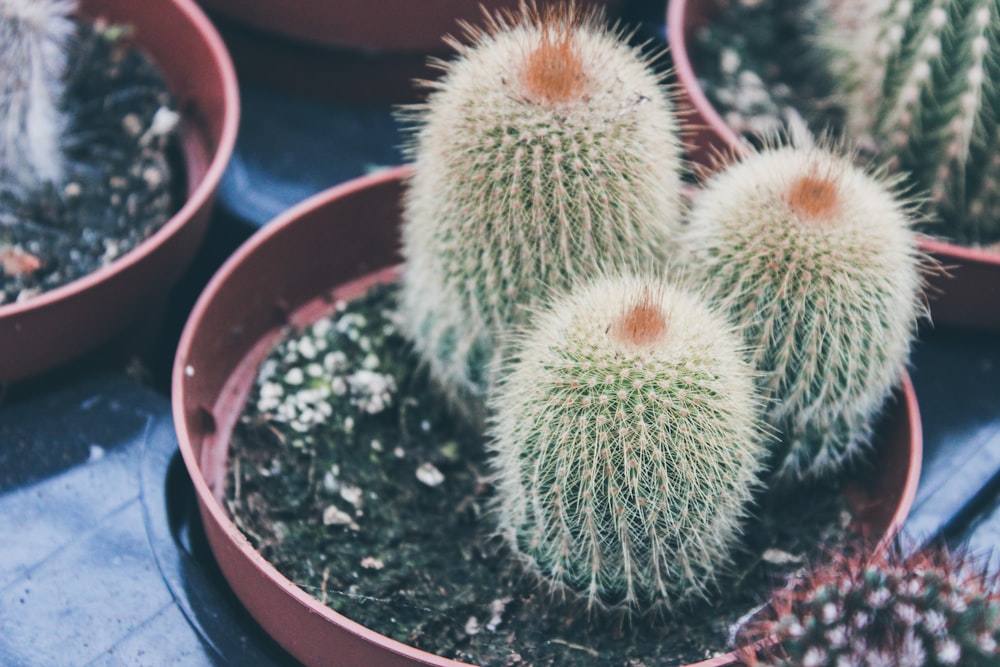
point(549, 148)
point(816, 262)
point(34, 37)
point(627, 443)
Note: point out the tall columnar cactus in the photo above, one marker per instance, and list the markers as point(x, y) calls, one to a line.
point(924, 82)
point(626, 444)
point(930, 609)
point(34, 35)
point(548, 150)
point(815, 262)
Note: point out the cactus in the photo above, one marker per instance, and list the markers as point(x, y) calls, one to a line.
point(548, 150)
point(34, 36)
point(923, 82)
point(933, 608)
point(815, 262)
point(626, 443)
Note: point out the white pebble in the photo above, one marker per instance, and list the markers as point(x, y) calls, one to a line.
point(372, 563)
point(352, 494)
point(165, 120)
point(334, 516)
point(729, 61)
point(430, 475)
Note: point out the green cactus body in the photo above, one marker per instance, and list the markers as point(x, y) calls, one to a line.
point(930, 609)
point(626, 445)
point(34, 37)
point(815, 262)
point(548, 150)
point(924, 82)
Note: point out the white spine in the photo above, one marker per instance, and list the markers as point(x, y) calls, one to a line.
point(34, 35)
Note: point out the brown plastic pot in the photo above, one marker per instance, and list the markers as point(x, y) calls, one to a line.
point(333, 246)
point(966, 294)
point(66, 322)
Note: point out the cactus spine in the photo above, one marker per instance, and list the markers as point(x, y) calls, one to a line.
point(626, 444)
point(548, 150)
point(815, 262)
point(928, 93)
point(34, 35)
point(930, 609)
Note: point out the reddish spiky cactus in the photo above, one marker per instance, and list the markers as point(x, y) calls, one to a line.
point(932, 608)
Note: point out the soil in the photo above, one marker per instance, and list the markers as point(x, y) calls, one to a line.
point(349, 475)
point(121, 178)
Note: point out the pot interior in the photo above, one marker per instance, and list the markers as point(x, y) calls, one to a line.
point(286, 274)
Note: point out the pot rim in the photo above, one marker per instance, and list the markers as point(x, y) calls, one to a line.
point(686, 78)
point(216, 513)
point(205, 497)
point(198, 193)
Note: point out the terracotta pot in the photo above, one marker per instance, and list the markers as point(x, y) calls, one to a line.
point(65, 322)
point(966, 295)
point(337, 243)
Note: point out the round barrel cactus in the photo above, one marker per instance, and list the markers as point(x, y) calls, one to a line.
point(626, 444)
point(548, 150)
point(816, 263)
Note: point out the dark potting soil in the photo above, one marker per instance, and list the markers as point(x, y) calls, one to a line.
point(760, 65)
point(350, 476)
point(122, 172)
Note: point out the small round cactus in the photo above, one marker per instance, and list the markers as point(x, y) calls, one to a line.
point(923, 81)
point(815, 262)
point(933, 608)
point(34, 36)
point(626, 444)
point(548, 150)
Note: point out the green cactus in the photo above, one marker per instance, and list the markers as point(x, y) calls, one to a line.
point(923, 82)
point(933, 608)
point(34, 37)
point(548, 150)
point(815, 262)
point(626, 444)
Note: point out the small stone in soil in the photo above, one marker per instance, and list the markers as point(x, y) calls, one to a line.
point(428, 474)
